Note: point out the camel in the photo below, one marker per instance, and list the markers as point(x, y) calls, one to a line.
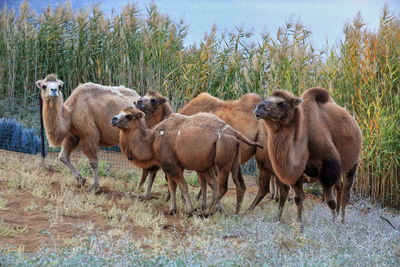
point(82, 120)
point(200, 142)
point(239, 115)
point(157, 108)
point(315, 136)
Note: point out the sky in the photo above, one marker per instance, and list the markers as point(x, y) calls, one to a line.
point(324, 18)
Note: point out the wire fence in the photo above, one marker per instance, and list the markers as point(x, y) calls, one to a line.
point(14, 136)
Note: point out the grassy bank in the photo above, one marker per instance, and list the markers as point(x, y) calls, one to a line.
point(145, 51)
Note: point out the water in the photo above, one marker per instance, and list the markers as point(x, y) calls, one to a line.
point(324, 18)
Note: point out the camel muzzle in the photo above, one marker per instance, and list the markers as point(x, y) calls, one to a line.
point(114, 121)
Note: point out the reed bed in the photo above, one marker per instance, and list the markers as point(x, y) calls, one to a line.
point(144, 50)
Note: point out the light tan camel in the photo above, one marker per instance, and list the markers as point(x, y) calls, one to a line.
point(199, 142)
point(239, 115)
point(83, 120)
point(311, 135)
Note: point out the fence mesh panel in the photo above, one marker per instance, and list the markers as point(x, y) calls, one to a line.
point(15, 137)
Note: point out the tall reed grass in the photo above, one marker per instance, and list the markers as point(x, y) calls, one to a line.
point(145, 51)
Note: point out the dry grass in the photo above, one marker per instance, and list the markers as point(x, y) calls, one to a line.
point(116, 228)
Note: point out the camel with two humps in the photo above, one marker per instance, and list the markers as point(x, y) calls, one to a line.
point(312, 135)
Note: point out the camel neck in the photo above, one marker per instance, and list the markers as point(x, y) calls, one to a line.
point(161, 114)
point(287, 147)
point(137, 146)
point(56, 119)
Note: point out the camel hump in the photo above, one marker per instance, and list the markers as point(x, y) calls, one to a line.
point(318, 94)
point(204, 102)
point(94, 88)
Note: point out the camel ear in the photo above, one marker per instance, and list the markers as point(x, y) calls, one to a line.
point(39, 84)
point(163, 100)
point(61, 83)
point(296, 101)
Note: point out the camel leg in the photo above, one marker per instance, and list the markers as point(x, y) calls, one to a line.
point(263, 187)
point(338, 190)
point(240, 186)
point(143, 179)
point(168, 193)
point(212, 182)
point(180, 180)
point(276, 189)
point(329, 176)
point(299, 198)
point(348, 184)
point(283, 192)
point(222, 188)
point(67, 146)
point(203, 189)
point(150, 184)
point(199, 194)
point(90, 148)
point(272, 189)
point(172, 193)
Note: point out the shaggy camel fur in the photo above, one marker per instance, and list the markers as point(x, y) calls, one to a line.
point(82, 120)
point(239, 115)
point(311, 135)
point(157, 109)
point(198, 142)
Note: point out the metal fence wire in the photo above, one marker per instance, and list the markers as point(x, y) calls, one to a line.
point(15, 137)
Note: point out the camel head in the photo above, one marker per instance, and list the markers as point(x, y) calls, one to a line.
point(50, 87)
point(150, 102)
point(279, 107)
point(129, 119)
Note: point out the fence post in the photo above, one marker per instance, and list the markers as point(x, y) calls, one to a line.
point(42, 127)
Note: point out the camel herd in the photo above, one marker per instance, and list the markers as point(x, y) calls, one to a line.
point(290, 137)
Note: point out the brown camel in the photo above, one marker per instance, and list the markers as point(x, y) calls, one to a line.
point(82, 120)
point(311, 135)
point(157, 108)
point(239, 115)
point(199, 142)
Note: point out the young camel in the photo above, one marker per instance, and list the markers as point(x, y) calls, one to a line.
point(82, 120)
point(311, 135)
point(239, 115)
point(156, 108)
point(172, 143)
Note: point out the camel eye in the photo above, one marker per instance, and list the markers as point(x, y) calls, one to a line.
point(60, 87)
point(129, 117)
point(44, 87)
point(153, 101)
point(281, 104)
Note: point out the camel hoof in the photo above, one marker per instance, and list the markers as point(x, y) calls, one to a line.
point(81, 181)
point(172, 212)
point(203, 215)
point(94, 188)
point(248, 211)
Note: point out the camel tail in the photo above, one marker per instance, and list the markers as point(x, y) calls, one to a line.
point(245, 140)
